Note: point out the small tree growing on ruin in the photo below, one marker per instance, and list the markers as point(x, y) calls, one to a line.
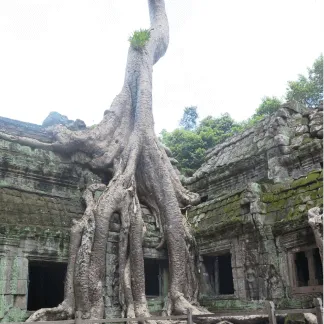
point(125, 142)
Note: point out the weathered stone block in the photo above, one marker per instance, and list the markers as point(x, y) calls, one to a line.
point(301, 129)
point(20, 301)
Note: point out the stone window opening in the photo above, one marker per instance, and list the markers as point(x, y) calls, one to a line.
point(45, 284)
point(219, 270)
point(156, 278)
point(246, 208)
point(203, 198)
point(307, 271)
point(301, 264)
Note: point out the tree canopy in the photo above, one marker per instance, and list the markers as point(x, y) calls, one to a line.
point(308, 90)
point(189, 146)
point(189, 118)
point(268, 106)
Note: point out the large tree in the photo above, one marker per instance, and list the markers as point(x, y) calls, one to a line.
point(189, 146)
point(308, 90)
point(189, 118)
point(125, 142)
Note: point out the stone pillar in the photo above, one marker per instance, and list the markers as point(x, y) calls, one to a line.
point(311, 269)
point(216, 274)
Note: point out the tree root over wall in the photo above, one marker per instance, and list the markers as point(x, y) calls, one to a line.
point(125, 142)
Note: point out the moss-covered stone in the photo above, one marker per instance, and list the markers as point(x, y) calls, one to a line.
point(221, 304)
point(14, 314)
point(295, 319)
point(311, 177)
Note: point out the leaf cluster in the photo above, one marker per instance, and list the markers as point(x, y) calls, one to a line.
point(139, 38)
point(189, 146)
point(268, 106)
point(189, 118)
point(308, 90)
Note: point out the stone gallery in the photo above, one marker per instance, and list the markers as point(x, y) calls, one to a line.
point(258, 225)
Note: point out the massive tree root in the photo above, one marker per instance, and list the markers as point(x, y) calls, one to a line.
point(125, 142)
point(315, 220)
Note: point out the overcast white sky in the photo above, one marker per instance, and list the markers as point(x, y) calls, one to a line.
point(224, 55)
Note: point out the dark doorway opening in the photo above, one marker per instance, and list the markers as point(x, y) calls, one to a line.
point(302, 269)
point(46, 284)
point(226, 285)
point(156, 277)
point(152, 277)
point(220, 276)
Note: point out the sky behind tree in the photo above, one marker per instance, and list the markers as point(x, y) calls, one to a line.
point(224, 56)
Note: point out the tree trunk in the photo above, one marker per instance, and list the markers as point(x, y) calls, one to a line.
point(142, 173)
point(315, 220)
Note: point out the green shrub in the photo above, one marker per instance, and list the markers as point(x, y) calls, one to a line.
point(139, 38)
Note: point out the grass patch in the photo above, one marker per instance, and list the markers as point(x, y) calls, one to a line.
point(139, 38)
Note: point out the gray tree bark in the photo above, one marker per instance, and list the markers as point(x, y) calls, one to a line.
point(315, 221)
point(142, 173)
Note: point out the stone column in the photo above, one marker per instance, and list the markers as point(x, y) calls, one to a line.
point(216, 273)
point(311, 269)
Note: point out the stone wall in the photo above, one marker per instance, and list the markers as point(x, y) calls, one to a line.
point(258, 185)
point(259, 240)
point(234, 224)
point(279, 148)
point(40, 194)
point(261, 225)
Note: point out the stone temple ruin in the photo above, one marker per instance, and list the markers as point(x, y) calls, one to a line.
point(251, 226)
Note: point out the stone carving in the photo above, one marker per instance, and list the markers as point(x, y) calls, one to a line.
point(250, 277)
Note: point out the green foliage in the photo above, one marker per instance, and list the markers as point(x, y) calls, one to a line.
point(250, 122)
point(187, 147)
point(215, 130)
point(308, 90)
point(189, 118)
point(268, 106)
point(139, 38)
point(303, 91)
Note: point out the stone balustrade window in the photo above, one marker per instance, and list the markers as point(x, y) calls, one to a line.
point(306, 270)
